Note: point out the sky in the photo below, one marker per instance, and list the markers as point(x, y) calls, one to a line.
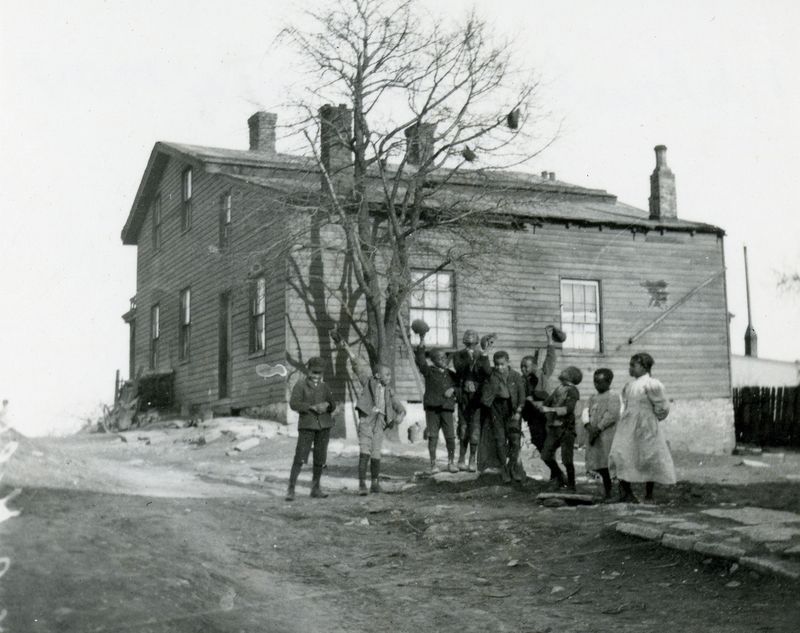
point(87, 87)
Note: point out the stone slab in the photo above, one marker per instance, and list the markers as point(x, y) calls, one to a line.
point(753, 516)
point(679, 541)
point(719, 550)
point(566, 496)
point(690, 526)
point(766, 533)
point(769, 565)
point(642, 531)
point(672, 519)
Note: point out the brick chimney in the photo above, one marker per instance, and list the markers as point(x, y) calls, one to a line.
point(419, 143)
point(336, 132)
point(663, 203)
point(262, 131)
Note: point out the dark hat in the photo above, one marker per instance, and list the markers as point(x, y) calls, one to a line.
point(419, 327)
point(315, 363)
point(470, 336)
point(559, 336)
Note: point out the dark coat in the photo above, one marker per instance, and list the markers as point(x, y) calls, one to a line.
point(471, 373)
point(305, 395)
point(437, 382)
point(512, 381)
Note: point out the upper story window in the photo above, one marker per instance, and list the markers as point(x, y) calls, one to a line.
point(155, 212)
point(225, 211)
point(185, 324)
point(186, 200)
point(155, 334)
point(580, 314)
point(432, 301)
point(258, 315)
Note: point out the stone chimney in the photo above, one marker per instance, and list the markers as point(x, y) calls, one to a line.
point(419, 143)
point(335, 137)
point(663, 203)
point(262, 131)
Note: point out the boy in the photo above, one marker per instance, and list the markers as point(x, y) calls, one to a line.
point(503, 395)
point(602, 415)
point(560, 405)
point(378, 409)
point(439, 403)
point(313, 400)
point(471, 369)
point(536, 379)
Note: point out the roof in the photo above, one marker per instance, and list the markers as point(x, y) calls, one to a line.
point(526, 196)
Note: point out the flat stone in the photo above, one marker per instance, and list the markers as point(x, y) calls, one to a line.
point(249, 443)
point(662, 519)
point(679, 541)
point(690, 526)
point(794, 550)
point(454, 477)
point(769, 565)
point(566, 496)
point(719, 550)
point(764, 533)
point(642, 531)
point(753, 516)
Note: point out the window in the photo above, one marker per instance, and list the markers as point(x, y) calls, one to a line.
point(258, 315)
point(185, 324)
point(186, 198)
point(580, 314)
point(155, 212)
point(155, 334)
point(225, 219)
point(432, 301)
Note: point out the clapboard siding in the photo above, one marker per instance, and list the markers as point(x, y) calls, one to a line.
point(193, 259)
point(518, 293)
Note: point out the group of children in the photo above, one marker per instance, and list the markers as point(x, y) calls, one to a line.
point(492, 400)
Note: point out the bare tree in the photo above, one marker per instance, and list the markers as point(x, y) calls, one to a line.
point(411, 164)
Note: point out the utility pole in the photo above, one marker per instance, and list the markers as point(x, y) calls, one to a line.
point(750, 336)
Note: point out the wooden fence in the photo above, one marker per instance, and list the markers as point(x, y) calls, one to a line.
point(767, 416)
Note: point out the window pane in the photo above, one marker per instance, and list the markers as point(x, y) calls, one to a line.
point(187, 184)
point(261, 296)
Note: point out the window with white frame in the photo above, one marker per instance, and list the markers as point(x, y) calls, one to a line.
point(432, 301)
point(258, 315)
point(155, 212)
point(185, 324)
point(225, 211)
point(155, 334)
point(186, 200)
point(580, 314)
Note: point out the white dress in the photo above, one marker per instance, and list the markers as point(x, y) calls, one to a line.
point(639, 451)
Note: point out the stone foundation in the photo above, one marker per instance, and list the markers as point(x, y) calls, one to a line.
point(701, 426)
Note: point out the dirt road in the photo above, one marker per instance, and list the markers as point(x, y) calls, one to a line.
point(158, 535)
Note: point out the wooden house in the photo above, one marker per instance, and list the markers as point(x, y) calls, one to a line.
point(211, 303)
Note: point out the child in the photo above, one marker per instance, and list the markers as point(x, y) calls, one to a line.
point(313, 400)
point(601, 415)
point(561, 426)
point(378, 409)
point(639, 451)
point(503, 394)
point(536, 386)
point(439, 403)
point(471, 368)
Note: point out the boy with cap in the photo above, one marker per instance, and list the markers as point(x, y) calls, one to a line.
point(503, 395)
point(439, 402)
point(378, 409)
point(471, 369)
point(560, 407)
point(313, 400)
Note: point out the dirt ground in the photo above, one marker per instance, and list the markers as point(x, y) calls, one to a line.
point(163, 534)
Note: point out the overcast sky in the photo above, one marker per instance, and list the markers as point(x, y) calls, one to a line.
point(89, 86)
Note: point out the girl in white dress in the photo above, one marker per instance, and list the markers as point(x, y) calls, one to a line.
point(639, 452)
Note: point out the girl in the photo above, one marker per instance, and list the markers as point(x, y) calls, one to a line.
point(601, 417)
point(639, 451)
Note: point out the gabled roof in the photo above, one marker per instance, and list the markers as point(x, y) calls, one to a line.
point(528, 197)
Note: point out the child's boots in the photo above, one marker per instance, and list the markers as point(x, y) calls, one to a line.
point(363, 462)
point(375, 470)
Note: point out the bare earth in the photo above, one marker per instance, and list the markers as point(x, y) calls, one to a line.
point(157, 533)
